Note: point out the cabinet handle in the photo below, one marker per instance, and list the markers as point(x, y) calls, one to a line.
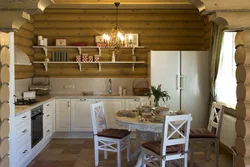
point(25, 151)
point(82, 99)
point(136, 99)
point(47, 115)
point(68, 103)
point(24, 116)
point(47, 104)
point(177, 82)
point(48, 130)
point(182, 82)
point(24, 130)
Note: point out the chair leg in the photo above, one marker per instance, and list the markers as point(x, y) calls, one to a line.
point(96, 151)
point(208, 144)
point(128, 149)
point(118, 154)
point(191, 154)
point(185, 160)
point(217, 144)
point(105, 154)
point(143, 159)
point(163, 163)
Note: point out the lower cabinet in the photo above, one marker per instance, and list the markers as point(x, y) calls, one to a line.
point(80, 119)
point(111, 106)
point(62, 115)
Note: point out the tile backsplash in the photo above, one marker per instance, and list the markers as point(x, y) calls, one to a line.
point(21, 85)
point(97, 85)
point(78, 85)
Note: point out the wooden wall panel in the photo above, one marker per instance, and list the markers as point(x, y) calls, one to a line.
point(157, 29)
point(24, 41)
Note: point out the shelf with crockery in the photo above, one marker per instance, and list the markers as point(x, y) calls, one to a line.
point(79, 48)
point(81, 63)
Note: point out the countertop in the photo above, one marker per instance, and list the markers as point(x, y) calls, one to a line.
point(20, 109)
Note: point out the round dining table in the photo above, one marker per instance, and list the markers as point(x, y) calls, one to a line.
point(145, 130)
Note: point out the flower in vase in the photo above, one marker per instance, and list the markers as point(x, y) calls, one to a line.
point(158, 93)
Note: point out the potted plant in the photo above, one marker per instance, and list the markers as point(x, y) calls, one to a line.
point(158, 93)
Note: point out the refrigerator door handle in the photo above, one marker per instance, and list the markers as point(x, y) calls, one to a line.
point(177, 82)
point(182, 82)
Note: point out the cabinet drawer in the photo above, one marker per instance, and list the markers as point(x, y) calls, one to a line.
point(47, 106)
point(23, 117)
point(23, 152)
point(47, 119)
point(23, 131)
point(47, 131)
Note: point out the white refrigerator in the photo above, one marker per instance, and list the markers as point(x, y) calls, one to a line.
point(185, 75)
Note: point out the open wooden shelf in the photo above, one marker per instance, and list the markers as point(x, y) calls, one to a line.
point(79, 48)
point(81, 63)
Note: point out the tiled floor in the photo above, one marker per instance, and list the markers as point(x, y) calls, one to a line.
point(80, 153)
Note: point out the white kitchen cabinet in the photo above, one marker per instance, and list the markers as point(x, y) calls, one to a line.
point(111, 106)
point(62, 115)
point(132, 104)
point(80, 114)
point(48, 120)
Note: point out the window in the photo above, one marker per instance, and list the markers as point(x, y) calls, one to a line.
point(225, 84)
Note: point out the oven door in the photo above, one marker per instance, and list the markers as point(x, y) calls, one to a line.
point(36, 129)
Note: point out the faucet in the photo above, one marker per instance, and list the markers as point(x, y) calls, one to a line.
point(110, 86)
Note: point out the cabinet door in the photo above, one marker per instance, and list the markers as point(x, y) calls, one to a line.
point(112, 106)
point(62, 115)
point(80, 115)
point(132, 104)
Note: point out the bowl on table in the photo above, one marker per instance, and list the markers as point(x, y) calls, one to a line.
point(161, 110)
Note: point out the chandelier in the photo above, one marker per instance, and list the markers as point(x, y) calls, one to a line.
point(116, 38)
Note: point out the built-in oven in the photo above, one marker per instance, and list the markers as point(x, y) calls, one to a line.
point(36, 125)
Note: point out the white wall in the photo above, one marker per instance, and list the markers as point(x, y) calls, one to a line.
point(21, 85)
point(97, 85)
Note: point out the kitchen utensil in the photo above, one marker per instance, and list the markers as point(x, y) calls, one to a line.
point(29, 95)
point(40, 87)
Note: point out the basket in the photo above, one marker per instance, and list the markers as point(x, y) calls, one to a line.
point(41, 89)
point(140, 87)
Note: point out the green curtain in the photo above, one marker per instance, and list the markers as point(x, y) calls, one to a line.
point(216, 44)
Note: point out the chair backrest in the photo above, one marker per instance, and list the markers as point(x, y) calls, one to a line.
point(173, 125)
point(98, 117)
point(215, 119)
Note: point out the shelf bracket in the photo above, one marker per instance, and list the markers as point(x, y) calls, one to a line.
point(45, 51)
point(45, 66)
point(80, 66)
point(79, 50)
point(133, 67)
point(100, 67)
point(133, 50)
point(99, 51)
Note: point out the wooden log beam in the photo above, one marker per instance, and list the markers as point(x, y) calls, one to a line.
point(242, 162)
point(231, 21)
point(122, 17)
point(242, 55)
point(124, 24)
point(208, 6)
point(243, 38)
point(242, 146)
point(142, 32)
point(25, 34)
point(23, 75)
point(23, 41)
point(243, 110)
point(242, 129)
point(23, 68)
point(243, 74)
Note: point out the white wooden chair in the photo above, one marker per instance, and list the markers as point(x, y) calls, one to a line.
point(172, 146)
point(114, 140)
point(207, 140)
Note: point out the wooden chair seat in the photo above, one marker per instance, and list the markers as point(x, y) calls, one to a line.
point(201, 133)
point(114, 133)
point(155, 146)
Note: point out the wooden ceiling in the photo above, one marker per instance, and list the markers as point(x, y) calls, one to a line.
point(125, 4)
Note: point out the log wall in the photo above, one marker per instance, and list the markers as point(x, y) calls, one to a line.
point(24, 41)
point(157, 29)
point(242, 59)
